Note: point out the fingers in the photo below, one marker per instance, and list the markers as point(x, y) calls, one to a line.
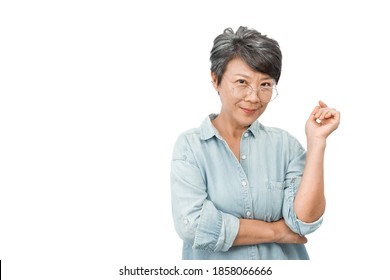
point(316, 108)
point(285, 235)
point(322, 104)
point(323, 121)
point(302, 240)
point(325, 113)
point(322, 111)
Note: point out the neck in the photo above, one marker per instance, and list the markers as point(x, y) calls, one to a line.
point(228, 129)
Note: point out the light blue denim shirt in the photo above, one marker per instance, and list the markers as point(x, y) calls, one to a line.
point(211, 190)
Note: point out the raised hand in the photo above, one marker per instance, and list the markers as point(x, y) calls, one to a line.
point(322, 121)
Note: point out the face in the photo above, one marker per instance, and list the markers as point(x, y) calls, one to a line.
point(240, 113)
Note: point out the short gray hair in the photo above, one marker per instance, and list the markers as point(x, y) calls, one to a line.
point(261, 53)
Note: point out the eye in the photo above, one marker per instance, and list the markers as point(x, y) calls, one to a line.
point(241, 82)
point(267, 84)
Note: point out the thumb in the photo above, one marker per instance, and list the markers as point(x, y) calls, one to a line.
point(322, 104)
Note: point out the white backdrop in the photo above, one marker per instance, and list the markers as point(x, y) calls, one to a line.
point(94, 94)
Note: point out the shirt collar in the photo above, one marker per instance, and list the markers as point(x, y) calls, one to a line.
point(255, 128)
point(207, 130)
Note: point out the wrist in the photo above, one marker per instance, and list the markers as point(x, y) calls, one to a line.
point(275, 232)
point(316, 141)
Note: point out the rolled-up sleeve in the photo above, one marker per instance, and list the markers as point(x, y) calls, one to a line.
point(289, 215)
point(197, 220)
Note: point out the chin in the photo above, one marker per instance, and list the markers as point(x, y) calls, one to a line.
point(248, 120)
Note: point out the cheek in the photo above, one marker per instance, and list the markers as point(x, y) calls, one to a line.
point(226, 98)
point(262, 109)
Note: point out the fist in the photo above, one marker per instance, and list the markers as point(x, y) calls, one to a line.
point(322, 121)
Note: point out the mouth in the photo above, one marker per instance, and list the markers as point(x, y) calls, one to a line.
point(249, 111)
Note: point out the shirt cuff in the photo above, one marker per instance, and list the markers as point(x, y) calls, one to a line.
point(291, 219)
point(216, 230)
point(306, 228)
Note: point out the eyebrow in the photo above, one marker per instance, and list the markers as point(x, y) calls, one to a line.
point(249, 77)
point(242, 75)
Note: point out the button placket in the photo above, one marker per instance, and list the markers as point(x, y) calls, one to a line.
point(246, 192)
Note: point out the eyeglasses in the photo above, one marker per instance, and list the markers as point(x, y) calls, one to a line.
point(264, 93)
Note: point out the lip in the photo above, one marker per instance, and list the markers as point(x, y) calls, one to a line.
point(249, 111)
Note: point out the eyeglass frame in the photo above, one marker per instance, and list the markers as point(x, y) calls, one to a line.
point(258, 91)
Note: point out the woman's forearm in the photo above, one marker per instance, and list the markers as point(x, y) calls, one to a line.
point(309, 203)
point(255, 232)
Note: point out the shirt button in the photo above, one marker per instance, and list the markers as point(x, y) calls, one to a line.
point(248, 214)
point(185, 221)
point(243, 183)
point(243, 157)
point(246, 134)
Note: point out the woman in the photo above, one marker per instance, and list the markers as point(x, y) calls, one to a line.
point(241, 190)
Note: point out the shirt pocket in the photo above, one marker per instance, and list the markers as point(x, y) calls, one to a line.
point(273, 195)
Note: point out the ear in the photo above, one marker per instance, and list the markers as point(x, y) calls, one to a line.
point(214, 80)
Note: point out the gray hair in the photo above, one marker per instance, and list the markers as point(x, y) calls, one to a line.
point(261, 53)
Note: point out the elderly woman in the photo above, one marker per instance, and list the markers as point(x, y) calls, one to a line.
point(241, 190)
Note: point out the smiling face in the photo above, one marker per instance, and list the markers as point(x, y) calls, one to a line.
point(240, 113)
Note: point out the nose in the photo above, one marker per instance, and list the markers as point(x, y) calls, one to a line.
point(253, 96)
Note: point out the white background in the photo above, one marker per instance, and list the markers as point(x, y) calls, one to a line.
point(94, 94)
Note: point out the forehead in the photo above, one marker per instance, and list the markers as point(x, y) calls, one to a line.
point(238, 67)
